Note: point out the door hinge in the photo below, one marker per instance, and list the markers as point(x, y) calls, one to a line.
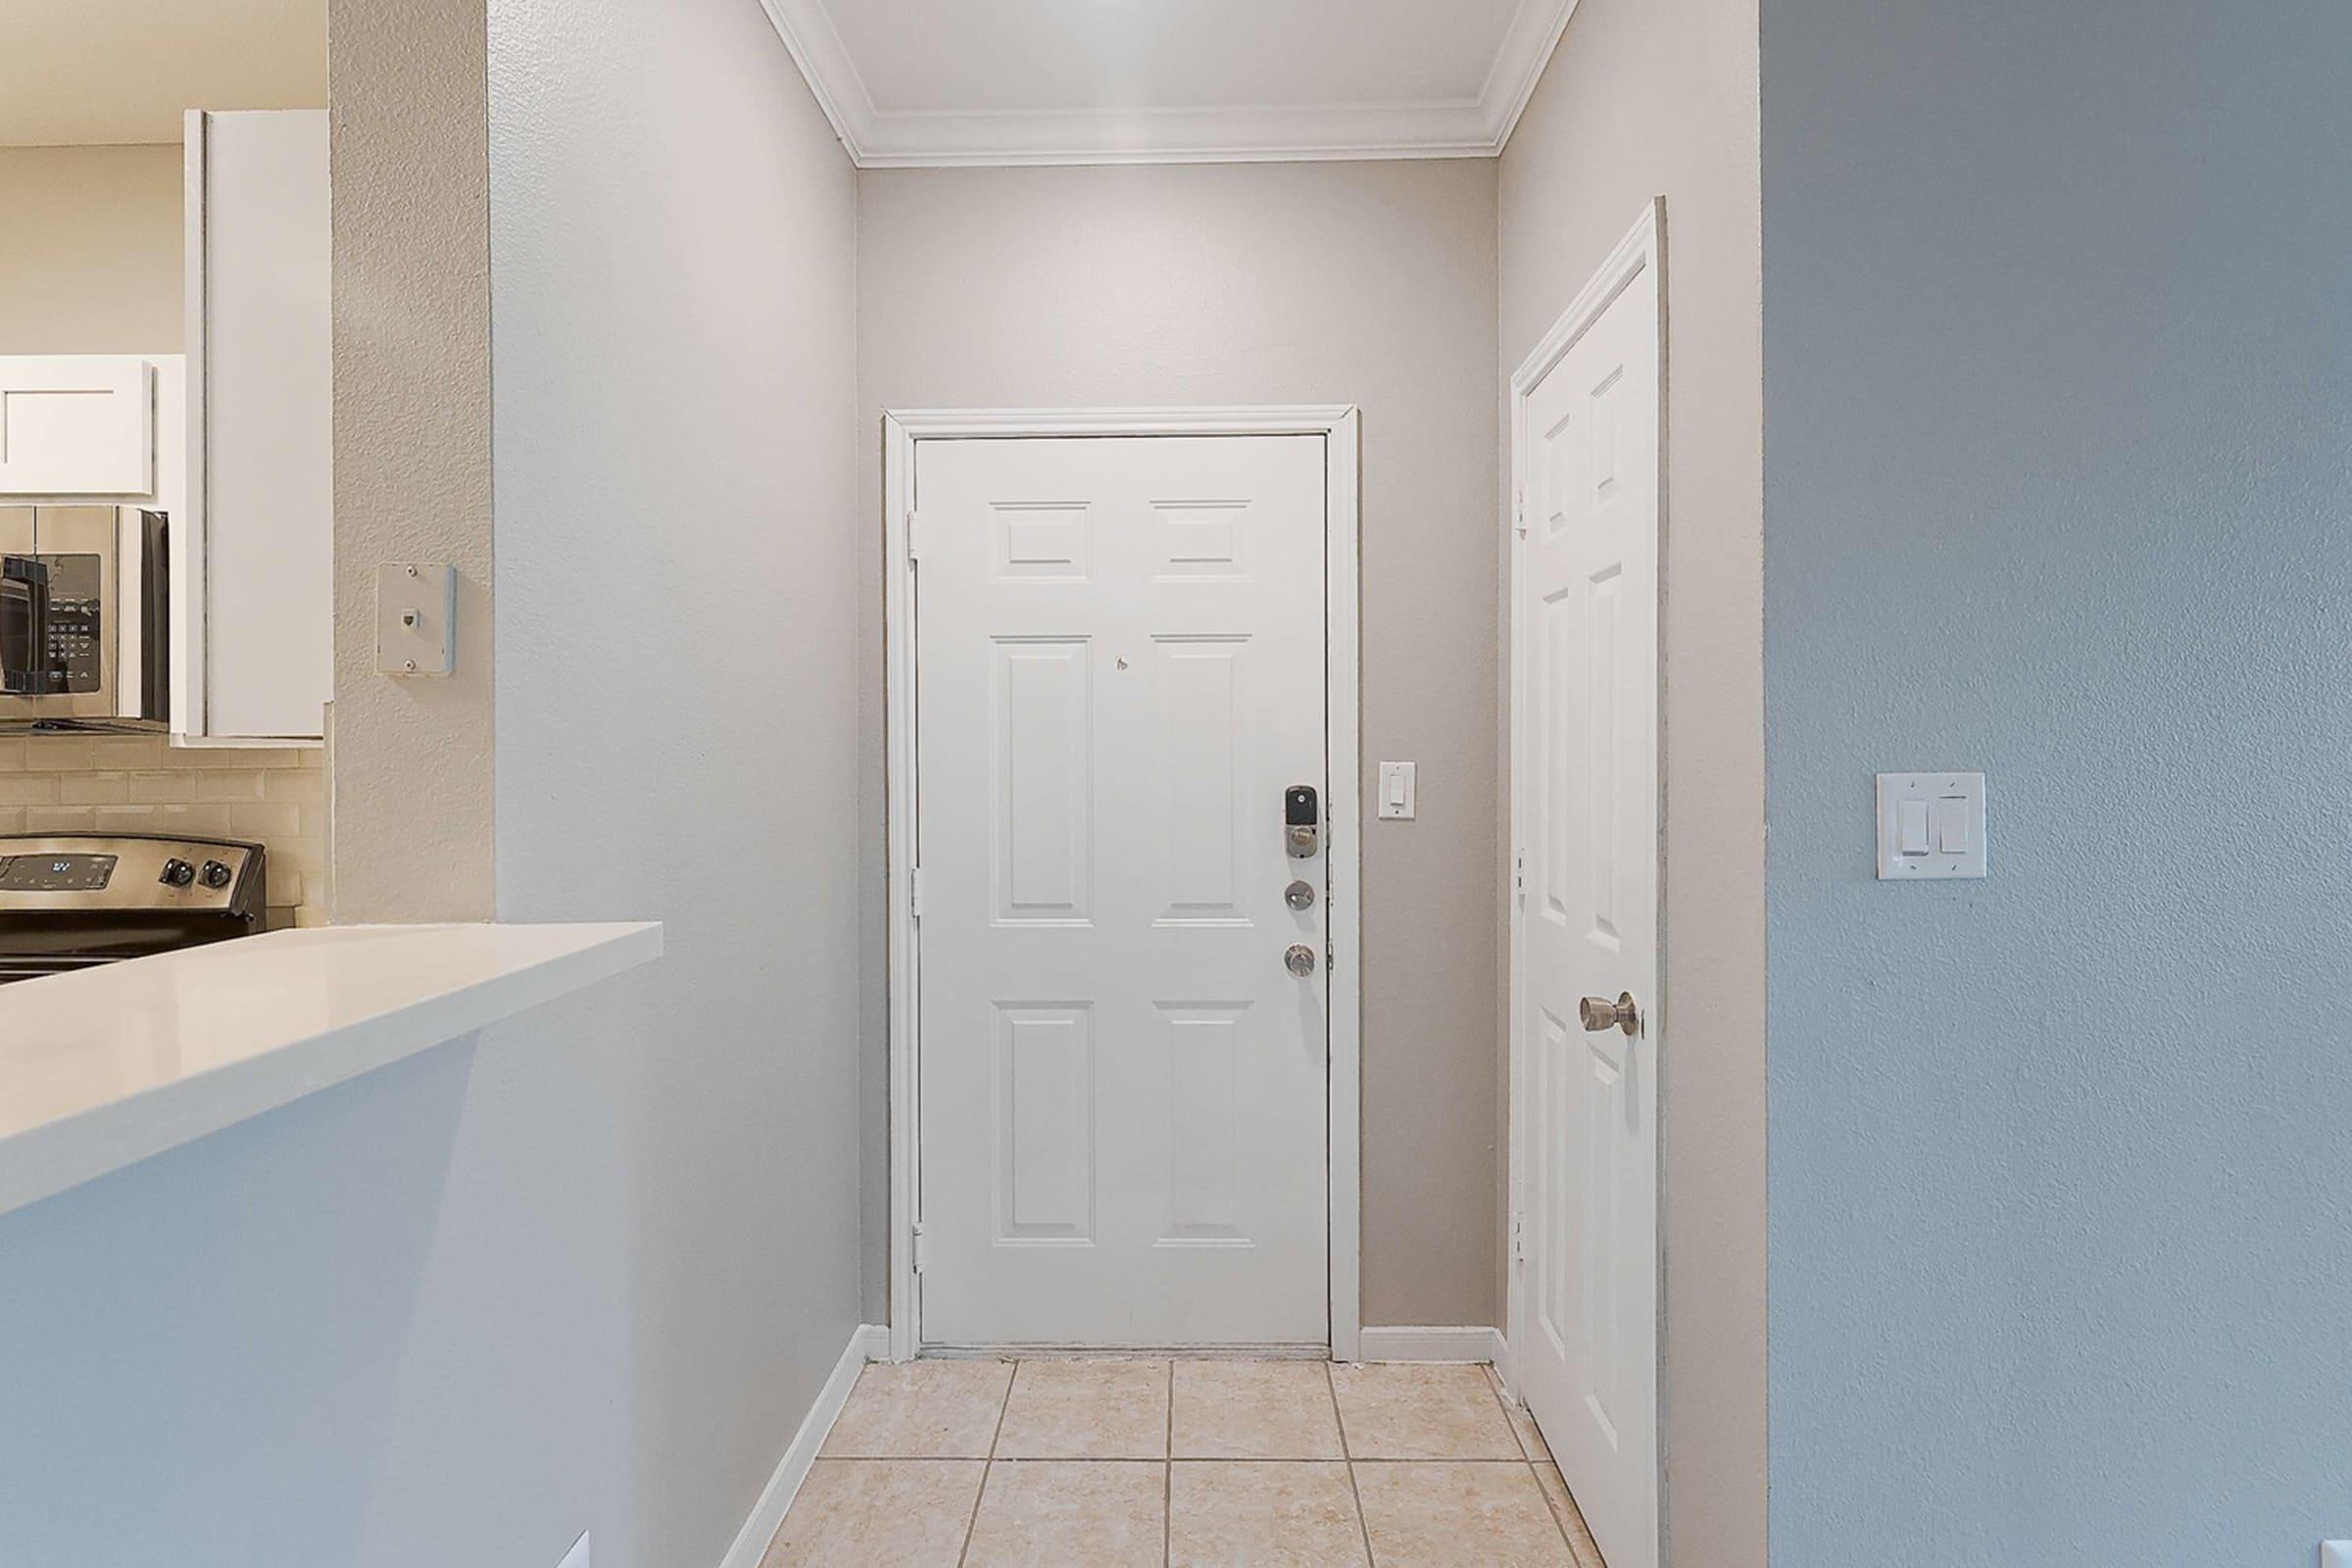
point(914, 537)
point(914, 891)
point(1518, 1239)
point(923, 1251)
point(1519, 512)
point(1519, 873)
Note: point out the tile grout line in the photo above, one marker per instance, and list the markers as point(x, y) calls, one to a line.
point(1167, 1478)
point(1494, 1386)
point(1363, 1526)
point(987, 1468)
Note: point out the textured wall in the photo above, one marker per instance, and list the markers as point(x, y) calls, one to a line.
point(408, 140)
point(2059, 468)
point(1648, 98)
point(104, 277)
point(1366, 283)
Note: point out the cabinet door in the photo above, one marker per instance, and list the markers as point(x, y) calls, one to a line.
point(262, 420)
point(79, 425)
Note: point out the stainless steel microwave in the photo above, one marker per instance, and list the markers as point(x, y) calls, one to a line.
point(85, 619)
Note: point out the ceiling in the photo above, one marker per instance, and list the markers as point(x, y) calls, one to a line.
point(98, 71)
point(925, 83)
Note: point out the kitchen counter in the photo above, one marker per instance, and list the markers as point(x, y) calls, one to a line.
point(104, 1068)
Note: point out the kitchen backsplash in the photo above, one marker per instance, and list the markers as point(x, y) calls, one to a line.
point(273, 796)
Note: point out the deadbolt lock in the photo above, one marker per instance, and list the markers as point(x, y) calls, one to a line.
point(1301, 821)
point(1299, 960)
point(1299, 895)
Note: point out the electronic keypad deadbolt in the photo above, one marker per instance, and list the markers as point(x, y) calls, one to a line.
point(1303, 821)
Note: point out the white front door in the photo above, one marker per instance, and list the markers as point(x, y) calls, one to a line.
point(1120, 671)
point(1585, 743)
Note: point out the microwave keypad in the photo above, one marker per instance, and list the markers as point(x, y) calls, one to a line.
point(77, 623)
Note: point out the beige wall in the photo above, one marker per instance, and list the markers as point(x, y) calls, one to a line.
point(409, 143)
point(91, 260)
point(1346, 282)
point(1647, 97)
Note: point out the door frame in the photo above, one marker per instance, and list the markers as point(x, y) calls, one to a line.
point(1641, 249)
point(1340, 426)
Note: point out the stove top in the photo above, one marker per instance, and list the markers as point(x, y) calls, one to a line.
point(72, 901)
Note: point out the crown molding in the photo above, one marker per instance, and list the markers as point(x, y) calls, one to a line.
point(1477, 128)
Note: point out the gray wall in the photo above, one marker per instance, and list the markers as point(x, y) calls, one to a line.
point(673, 285)
point(2059, 468)
point(590, 1269)
point(1366, 283)
point(1646, 98)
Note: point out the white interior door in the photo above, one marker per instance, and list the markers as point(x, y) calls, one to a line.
point(1585, 739)
point(1120, 671)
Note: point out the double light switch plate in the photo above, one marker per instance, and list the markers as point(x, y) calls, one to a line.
point(1931, 825)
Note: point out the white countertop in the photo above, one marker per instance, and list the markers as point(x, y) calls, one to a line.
point(107, 1067)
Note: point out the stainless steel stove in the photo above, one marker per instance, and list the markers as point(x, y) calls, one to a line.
point(74, 900)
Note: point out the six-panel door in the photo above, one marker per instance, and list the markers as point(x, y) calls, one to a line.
point(1585, 615)
point(1119, 671)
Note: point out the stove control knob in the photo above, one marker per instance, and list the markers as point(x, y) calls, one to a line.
point(177, 873)
point(214, 874)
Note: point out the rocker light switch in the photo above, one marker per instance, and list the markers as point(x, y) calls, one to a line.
point(1931, 825)
point(416, 618)
point(1397, 790)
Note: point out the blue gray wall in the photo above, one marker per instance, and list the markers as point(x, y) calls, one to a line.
point(2058, 456)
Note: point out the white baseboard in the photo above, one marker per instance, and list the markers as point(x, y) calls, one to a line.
point(869, 1342)
point(1444, 1344)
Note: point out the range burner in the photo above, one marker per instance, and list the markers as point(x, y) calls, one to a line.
point(74, 900)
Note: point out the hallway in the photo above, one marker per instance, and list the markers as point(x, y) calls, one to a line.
point(1192, 1462)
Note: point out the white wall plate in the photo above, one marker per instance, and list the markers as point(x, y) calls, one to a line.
point(1930, 827)
point(416, 618)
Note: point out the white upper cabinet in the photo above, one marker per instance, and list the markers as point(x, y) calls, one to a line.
point(255, 559)
point(80, 425)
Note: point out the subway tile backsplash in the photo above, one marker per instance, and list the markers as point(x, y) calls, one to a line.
point(275, 796)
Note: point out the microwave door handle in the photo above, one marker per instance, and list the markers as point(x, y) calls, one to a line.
point(25, 646)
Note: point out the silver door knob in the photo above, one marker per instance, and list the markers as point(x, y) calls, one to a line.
point(1599, 1013)
point(1299, 895)
point(1299, 960)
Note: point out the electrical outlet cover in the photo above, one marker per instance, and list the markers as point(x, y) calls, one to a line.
point(2336, 1554)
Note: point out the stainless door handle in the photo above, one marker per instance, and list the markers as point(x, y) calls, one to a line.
point(1599, 1013)
point(1299, 960)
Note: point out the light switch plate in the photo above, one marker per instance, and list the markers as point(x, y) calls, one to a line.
point(2336, 1554)
point(1930, 827)
point(578, 1556)
point(1397, 790)
point(416, 618)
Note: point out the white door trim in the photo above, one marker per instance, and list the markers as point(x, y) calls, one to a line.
point(1340, 425)
point(1643, 247)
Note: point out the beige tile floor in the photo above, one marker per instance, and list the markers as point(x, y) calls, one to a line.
point(1181, 1464)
